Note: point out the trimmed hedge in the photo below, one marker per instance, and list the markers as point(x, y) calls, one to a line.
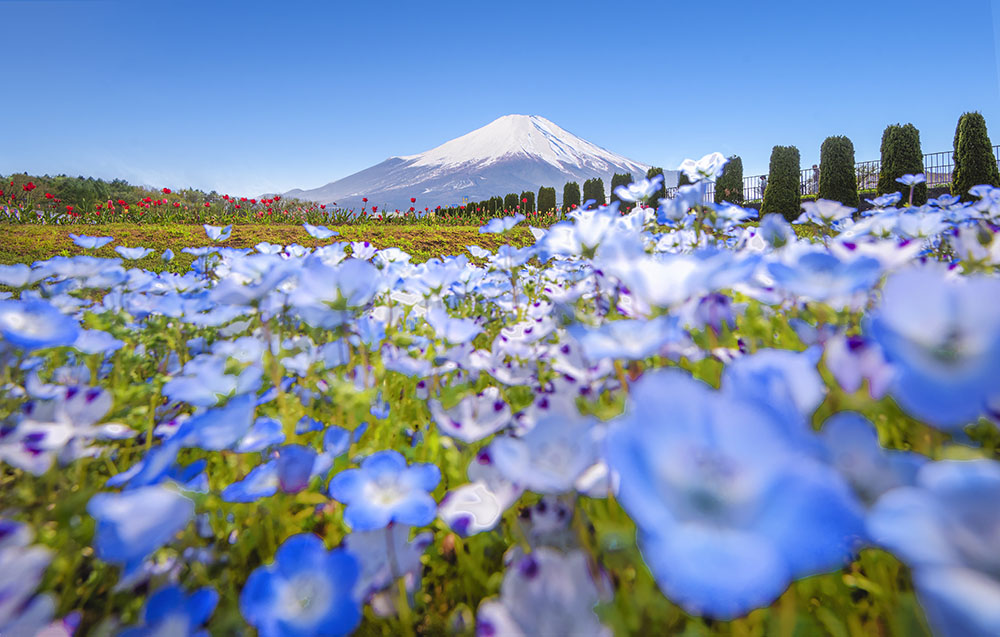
point(975, 163)
point(782, 193)
point(837, 179)
point(901, 155)
point(511, 201)
point(729, 185)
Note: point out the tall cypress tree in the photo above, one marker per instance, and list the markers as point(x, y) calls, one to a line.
point(619, 179)
point(527, 201)
point(729, 185)
point(511, 202)
point(571, 195)
point(659, 194)
point(782, 193)
point(593, 189)
point(901, 155)
point(546, 199)
point(975, 162)
point(837, 178)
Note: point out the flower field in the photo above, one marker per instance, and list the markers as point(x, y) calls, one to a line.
point(680, 420)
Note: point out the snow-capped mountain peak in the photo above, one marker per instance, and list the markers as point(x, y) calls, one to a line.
point(509, 155)
point(511, 136)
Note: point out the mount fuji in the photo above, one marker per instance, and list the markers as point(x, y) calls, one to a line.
point(511, 154)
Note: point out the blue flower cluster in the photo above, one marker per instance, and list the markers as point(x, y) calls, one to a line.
point(278, 436)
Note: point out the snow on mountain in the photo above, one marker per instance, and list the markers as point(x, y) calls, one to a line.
point(511, 154)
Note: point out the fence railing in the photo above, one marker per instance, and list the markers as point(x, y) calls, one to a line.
point(937, 167)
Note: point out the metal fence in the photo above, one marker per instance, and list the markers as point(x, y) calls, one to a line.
point(937, 168)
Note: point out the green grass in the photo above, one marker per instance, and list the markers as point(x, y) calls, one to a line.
point(30, 243)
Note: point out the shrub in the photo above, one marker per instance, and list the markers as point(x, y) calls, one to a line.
point(619, 180)
point(837, 179)
point(975, 162)
point(571, 195)
point(682, 179)
point(901, 155)
point(729, 185)
point(546, 199)
point(593, 189)
point(511, 202)
point(782, 192)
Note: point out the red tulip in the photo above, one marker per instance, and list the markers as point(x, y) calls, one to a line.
point(322, 206)
point(374, 208)
point(28, 187)
point(166, 191)
point(49, 195)
point(207, 205)
point(364, 199)
point(177, 205)
point(69, 208)
point(413, 200)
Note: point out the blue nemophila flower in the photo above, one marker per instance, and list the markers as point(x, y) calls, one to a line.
point(729, 508)
point(886, 200)
point(820, 276)
point(451, 329)
point(385, 555)
point(218, 233)
point(912, 180)
point(170, 611)
point(319, 232)
point(167, 256)
point(552, 455)
point(385, 490)
point(942, 335)
point(219, 428)
point(132, 254)
point(474, 417)
point(21, 569)
point(501, 224)
point(776, 231)
point(708, 167)
point(852, 447)
point(632, 339)
point(544, 593)
point(90, 243)
point(824, 212)
point(17, 275)
point(307, 591)
point(35, 324)
point(265, 432)
point(133, 524)
point(946, 530)
point(640, 190)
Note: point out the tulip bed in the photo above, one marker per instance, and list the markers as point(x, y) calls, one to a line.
point(661, 422)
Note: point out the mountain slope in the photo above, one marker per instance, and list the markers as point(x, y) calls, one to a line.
point(511, 154)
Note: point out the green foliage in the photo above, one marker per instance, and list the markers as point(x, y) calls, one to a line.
point(682, 179)
point(527, 201)
point(837, 179)
point(659, 194)
point(975, 162)
point(729, 185)
point(782, 193)
point(511, 202)
point(593, 189)
point(571, 195)
point(901, 155)
point(546, 199)
point(619, 179)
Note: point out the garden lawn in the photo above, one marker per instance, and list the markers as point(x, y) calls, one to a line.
point(31, 243)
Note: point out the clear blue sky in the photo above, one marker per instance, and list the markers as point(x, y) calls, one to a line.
point(248, 97)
